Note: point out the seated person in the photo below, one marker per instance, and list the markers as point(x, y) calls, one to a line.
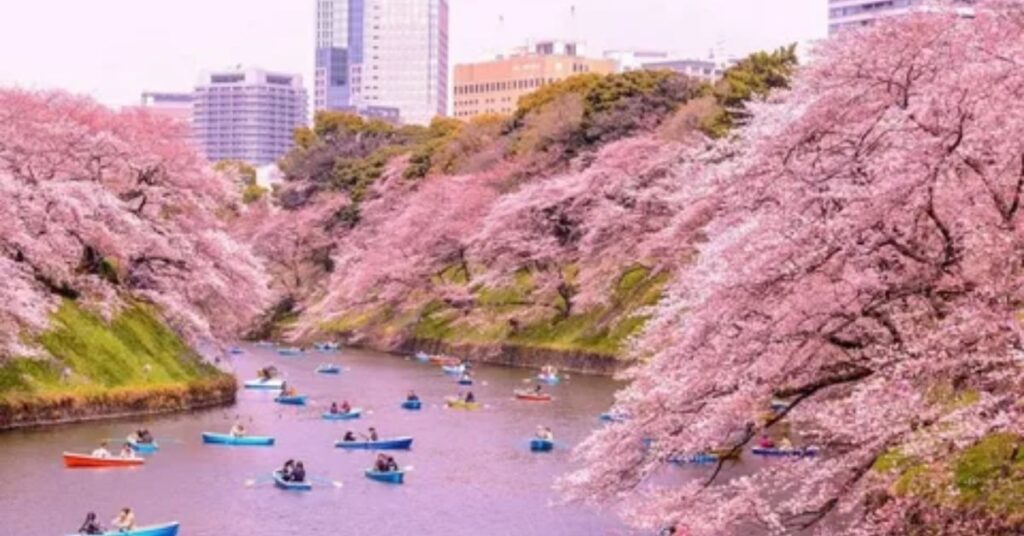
point(412, 397)
point(373, 434)
point(101, 451)
point(349, 436)
point(145, 436)
point(785, 444)
point(543, 432)
point(125, 520)
point(381, 465)
point(286, 470)
point(90, 525)
point(299, 473)
point(345, 406)
point(537, 389)
point(126, 451)
point(391, 464)
point(765, 442)
point(334, 408)
point(237, 430)
point(470, 399)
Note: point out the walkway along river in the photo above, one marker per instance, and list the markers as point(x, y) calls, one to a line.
point(473, 471)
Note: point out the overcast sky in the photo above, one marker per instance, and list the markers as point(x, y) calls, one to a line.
point(115, 49)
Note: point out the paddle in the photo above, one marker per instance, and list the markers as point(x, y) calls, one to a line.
point(325, 481)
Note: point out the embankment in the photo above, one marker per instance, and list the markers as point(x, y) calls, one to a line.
point(510, 355)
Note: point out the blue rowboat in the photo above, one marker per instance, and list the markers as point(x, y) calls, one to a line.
point(165, 529)
point(294, 400)
point(412, 404)
point(809, 452)
point(328, 369)
point(327, 346)
point(549, 379)
point(398, 443)
point(695, 459)
point(280, 482)
point(273, 383)
point(422, 357)
point(541, 445)
point(391, 477)
point(143, 447)
point(289, 351)
point(228, 439)
point(353, 413)
point(234, 350)
point(465, 381)
point(613, 417)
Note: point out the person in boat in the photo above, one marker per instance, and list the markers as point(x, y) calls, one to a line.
point(145, 436)
point(345, 406)
point(412, 396)
point(381, 465)
point(470, 399)
point(785, 444)
point(765, 442)
point(543, 432)
point(391, 465)
point(299, 473)
point(126, 451)
point(349, 436)
point(334, 408)
point(101, 451)
point(90, 525)
point(125, 520)
point(238, 430)
point(537, 389)
point(373, 434)
point(287, 469)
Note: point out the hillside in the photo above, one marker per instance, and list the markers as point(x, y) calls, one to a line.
point(545, 235)
point(115, 259)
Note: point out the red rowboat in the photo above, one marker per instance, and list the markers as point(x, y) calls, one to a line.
point(84, 460)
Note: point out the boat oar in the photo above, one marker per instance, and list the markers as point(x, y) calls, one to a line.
point(325, 481)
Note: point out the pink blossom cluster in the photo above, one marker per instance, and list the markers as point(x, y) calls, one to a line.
point(103, 206)
point(863, 262)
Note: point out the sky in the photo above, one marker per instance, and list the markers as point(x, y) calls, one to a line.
point(116, 49)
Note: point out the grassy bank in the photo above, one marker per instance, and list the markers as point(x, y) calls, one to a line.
point(131, 363)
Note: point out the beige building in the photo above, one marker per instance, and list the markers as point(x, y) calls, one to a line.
point(495, 86)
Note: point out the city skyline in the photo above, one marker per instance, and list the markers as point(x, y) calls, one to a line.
point(90, 57)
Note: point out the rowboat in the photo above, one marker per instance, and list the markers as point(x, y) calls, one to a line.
point(541, 445)
point(532, 396)
point(165, 529)
point(143, 447)
point(327, 346)
point(292, 400)
point(808, 452)
point(328, 369)
point(272, 383)
point(280, 482)
point(234, 350)
point(455, 403)
point(465, 381)
point(455, 370)
point(444, 360)
point(353, 413)
point(85, 460)
point(550, 379)
point(609, 416)
point(422, 357)
point(391, 477)
point(398, 443)
point(228, 439)
point(290, 350)
point(695, 459)
point(412, 404)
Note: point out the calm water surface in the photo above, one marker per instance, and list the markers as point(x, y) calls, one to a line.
point(473, 472)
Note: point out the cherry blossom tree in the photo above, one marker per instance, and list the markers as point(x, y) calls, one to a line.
point(864, 262)
point(101, 207)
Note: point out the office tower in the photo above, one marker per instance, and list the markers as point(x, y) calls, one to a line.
point(248, 115)
point(495, 86)
point(383, 58)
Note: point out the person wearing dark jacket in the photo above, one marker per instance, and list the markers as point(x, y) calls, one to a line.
point(90, 526)
point(299, 473)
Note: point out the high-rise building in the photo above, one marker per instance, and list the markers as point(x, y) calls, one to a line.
point(495, 86)
point(383, 58)
point(176, 106)
point(248, 115)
